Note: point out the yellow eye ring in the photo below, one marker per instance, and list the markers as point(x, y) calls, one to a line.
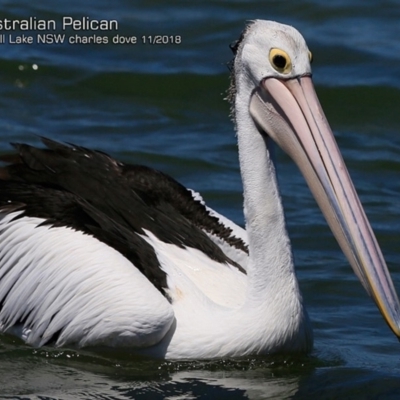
point(310, 56)
point(280, 60)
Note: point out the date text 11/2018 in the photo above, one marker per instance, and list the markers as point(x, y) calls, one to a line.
point(161, 39)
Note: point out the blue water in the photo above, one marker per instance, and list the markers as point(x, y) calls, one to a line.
point(162, 105)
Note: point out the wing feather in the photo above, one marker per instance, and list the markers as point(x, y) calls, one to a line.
point(62, 285)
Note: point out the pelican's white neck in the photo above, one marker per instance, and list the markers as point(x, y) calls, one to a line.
point(272, 284)
point(271, 260)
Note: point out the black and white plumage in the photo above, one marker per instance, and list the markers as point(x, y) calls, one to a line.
point(75, 196)
point(97, 252)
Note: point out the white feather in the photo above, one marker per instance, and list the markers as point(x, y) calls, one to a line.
point(192, 273)
point(58, 279)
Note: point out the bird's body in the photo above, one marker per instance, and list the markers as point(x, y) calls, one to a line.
point(95, 252)
point(121, 264)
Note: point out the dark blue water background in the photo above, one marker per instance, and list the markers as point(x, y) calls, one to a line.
point(162, 105)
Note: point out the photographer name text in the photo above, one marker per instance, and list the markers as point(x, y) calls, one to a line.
point(83, 30)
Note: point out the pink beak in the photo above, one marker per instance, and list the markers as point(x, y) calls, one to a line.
point(289, 112)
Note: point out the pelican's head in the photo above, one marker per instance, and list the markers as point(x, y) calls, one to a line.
point(272, 69)
point(269, 49)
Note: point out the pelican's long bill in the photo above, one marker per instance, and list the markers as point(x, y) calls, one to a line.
point(290, 113)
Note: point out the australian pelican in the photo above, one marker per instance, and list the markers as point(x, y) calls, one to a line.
point(97, 252)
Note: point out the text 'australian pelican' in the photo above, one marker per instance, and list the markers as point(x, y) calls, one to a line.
point(96, 252)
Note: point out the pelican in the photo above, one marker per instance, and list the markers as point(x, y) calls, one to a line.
point(95, 252)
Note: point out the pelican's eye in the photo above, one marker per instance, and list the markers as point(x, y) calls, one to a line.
point(280, 60)
point(310, 56)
